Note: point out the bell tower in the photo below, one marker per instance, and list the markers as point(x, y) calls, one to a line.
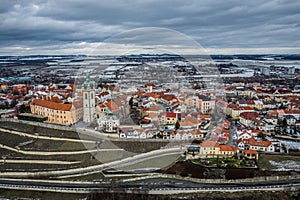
point(88, 95)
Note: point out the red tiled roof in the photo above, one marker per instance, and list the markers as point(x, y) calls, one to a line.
point(196, 132)
point(246, 108)
point(209, 143)
point(243, 133)
point(230, 87)
point(232, 106)
point(292, 111)
point(55, 99)
point(250, 152)
point(249, 115)
point(253, 142)
point(186, 123)
point(168, 97)
point(256, 131)
point(101, 105)
point(227, 148)
point(52, 105)
point(204, 116)
point(192, 119)
point(139, 94)
point(250, 102)
point(149, 84)
point(155, 95)
point(171, 115)
point(112, 106)
point(78, 104)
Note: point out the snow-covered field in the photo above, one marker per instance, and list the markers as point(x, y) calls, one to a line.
point(291, 144)
point(285, 165)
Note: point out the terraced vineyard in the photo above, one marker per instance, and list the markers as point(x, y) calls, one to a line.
point(29, 148)
point(24, 148)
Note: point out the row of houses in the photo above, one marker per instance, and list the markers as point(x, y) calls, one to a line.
point(150, 134)
point(213, 149)
point(249, 140)
point(248, 144)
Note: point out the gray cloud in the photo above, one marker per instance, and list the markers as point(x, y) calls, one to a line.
point(35, 24)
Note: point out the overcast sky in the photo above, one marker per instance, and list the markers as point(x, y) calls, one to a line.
point(220, 26)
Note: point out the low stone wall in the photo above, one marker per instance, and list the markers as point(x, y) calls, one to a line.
point(221, 181)
point(38, 124)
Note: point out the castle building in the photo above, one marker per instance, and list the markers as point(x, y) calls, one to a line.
point(88, 95)
point(58, 113)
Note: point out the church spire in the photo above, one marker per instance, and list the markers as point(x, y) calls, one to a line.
point(88, 83)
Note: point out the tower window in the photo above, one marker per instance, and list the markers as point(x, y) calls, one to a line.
point(86, 96)
point(92, 96)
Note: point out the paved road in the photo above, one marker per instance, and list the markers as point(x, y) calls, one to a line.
point(152, 186)
point(232, 132)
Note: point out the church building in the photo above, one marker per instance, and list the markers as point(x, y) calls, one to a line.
point(88, 95)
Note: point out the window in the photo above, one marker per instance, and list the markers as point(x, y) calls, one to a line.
point(92, 96)
point(86, 96)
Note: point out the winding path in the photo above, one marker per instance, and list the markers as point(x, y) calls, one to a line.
point(45, 162)
point(54, 153)
point(46, 137)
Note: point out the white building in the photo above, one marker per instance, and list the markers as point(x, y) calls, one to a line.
point(109, 124)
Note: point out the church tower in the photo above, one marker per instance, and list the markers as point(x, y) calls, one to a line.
point(88, 95)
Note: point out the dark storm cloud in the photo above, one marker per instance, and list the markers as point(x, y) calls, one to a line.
point(217, 24)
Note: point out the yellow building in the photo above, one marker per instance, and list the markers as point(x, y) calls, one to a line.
point(251, 154)
point(210, 148)
point(171, 118)
point(58, 113)
point(234, 110)
point(227, 151)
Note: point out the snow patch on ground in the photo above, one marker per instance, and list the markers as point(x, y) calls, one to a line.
point(285, 165)
point(291, 144)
